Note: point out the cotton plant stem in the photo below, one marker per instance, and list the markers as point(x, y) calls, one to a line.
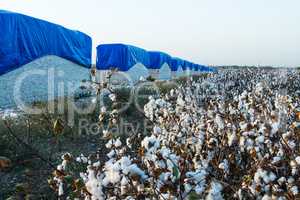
point(29, 147)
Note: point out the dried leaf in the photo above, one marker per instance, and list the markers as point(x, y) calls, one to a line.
point(4, 163)
point(58, 126)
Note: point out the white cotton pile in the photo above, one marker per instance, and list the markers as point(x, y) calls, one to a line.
point(94, 186)
point(112, 173)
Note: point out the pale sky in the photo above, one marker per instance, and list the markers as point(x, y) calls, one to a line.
point(223, 32)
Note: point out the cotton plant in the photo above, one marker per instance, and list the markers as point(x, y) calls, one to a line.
point(237, 140)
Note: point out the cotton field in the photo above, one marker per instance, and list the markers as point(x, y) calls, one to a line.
point(232, 135)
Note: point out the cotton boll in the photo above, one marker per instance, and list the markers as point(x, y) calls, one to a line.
point(128, 143)
point(275, 128)
point(266, 197)
point(156, 130)
point(111, 154)
point(294, 190)
point(118, 143)
point(83, 159)
point(60, 167)
point(276, 159)
point(291, 180)
point(297, 159)
point(260, 139)
point(232, 139)
point(224, 166)
point(164, 196)
point(257, 176)
point(105, 133)
point(215, 191)
point(199, 189)
point(124, 163)
point(219, 122)
point(187, 187)
point(124, 181)
point(103, 109)
point(160, 102)
point(242, 142)
point(114, 121)
point(60, 189)
point(135, 170)
point(267, 188)
point(291, 144)
point(165, 177)
point(124, 191)
point(113, 97)
point(109, 144)
point(249, 144)
point(188, 99)
point(96, 164)
point(272, 176)
point(267, 177)
point(180, 102)
point(160, 164)
point(66, 156)
point(281, 180)
point(294, 171)
point(111, 176)
point(286, 135)
point(293, 164)
point(64, 164)
point(121, 151)
point(150, 143)
point(94, 186)
point(276, 188)
point(83, 176)
point(243, 126)
point(165, 152)
point(280, 153)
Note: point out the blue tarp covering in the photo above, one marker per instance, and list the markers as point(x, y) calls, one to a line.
point(195, 67)
point(158, 59)
point(189, 65)
point(120, 56)
point(212, 69)
point(184, 65)
point(24, 39)
point(124, 57)
point(202, 68)
point(206, 69)
point(176, 63)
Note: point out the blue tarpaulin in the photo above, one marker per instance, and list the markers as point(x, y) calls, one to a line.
point(158, 59)
point(120, 56)
point(207, 69)
point(24, 39)
point(124, 57)
point(189, 65)
point(202, 68)
point(195, 67)
point(184, 65)
point(176, 63)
